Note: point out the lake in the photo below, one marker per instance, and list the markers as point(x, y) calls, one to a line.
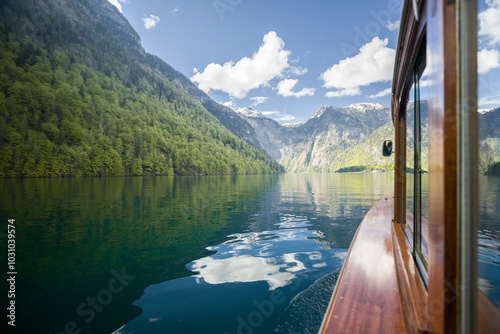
point(208, 254)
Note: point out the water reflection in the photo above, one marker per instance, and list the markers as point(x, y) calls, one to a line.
point(489, 238)
point(299, 232)
point(72, 233)
point(288, 260)
point(489, 151)
point(205, 252)
point(263, 256)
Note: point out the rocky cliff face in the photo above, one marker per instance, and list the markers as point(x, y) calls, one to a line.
point(275, 138)
point(120, 26)
point(489, 139)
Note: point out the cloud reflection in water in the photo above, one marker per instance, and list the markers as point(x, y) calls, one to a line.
point(271, 256)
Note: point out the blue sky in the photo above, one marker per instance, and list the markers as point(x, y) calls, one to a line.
point(289, 58)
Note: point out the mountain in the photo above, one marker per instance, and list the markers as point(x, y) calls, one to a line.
point(489, 141)
point(350, 138)
point(326, 142)
point(272, 136)
point(79, 96)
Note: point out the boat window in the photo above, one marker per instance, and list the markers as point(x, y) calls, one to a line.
point(417, 165)
point(410, 167)
point(421, 161)
point(489, 170)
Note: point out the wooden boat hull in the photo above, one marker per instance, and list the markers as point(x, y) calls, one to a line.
point(367, 298)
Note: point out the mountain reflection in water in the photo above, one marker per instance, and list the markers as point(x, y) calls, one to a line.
point(211, 254)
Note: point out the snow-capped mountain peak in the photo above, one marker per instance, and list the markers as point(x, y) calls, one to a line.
point(249, 112)
point(364, 106)
point(318, 112)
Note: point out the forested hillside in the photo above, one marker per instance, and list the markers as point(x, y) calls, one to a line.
point(76, 101)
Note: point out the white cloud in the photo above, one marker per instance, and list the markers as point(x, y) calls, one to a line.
point(285, 89)
point(150, 21)
point(269, 113)
point(174, 11)
point(382, 93)
point(151, 320)
point(298, 70)
point(243, 268)
point(487, 60)
point(373, 63)
point(116, 3)
point(490, 101)
point(424, 83)
point(489, 22)
point(393, 26)
point(285, 119)
point(344, 92)
point(258, 100)
point(238, 79)
point(230, 104)
point(278, 116)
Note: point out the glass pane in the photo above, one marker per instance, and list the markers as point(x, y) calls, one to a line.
point(423, 95)
point(410, 165)
point(489, 158)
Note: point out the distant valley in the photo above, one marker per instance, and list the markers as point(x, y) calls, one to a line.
point(331, 139)
point(337, 138)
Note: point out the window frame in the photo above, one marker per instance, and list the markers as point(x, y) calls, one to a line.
point(414, 241)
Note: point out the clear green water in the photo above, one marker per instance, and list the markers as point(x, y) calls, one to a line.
point(221, 254)
point(489, 237)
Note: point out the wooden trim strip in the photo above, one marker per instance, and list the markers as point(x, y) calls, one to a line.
point(413, 293)
point(367, 298)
